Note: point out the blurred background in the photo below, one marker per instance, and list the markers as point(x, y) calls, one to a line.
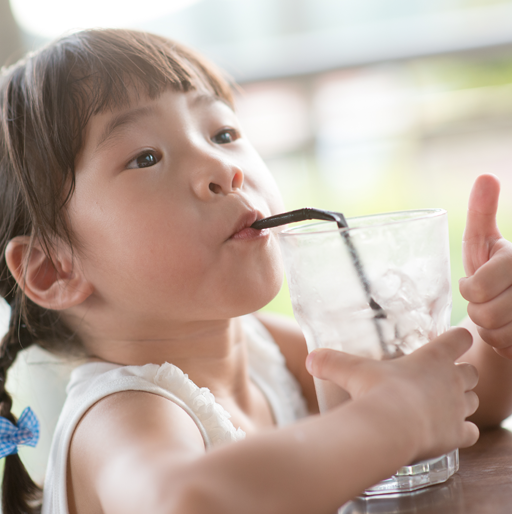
point(358, 106)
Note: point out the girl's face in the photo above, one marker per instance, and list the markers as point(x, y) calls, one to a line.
point(165, 191)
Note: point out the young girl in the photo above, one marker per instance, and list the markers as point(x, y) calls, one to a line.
point(127, 194)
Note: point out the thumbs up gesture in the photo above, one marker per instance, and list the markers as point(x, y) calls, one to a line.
point(487, 259)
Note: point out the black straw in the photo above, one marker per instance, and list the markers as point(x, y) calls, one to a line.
point(307, 213)
point(310, 213)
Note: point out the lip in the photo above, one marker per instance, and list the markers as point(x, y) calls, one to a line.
point(243, 230)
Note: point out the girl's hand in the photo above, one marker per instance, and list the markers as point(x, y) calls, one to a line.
point(487, 258)
point(434, 393)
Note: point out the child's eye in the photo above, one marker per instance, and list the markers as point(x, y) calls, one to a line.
point(144, 160)
point(225, 136)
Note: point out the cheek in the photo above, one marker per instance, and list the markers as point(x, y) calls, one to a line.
point(276, 203)
point(133, 241)
point(147, 272)
point(271, 280)
point(259, 179)
point(265, 187)
point(269, 190)
point(141, 250)
point(272, 276)
point(256, 282)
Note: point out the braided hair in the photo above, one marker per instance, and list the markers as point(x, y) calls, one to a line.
point(46, 101)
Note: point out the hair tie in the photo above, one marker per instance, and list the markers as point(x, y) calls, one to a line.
point(26, 431)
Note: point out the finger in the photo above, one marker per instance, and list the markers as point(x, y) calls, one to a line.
point(504, 352)
point(470, 435)
point(499, 338)
point(494, 314)
point(482, 208)
point(492, 278)
point(452, 343)
point(333, 365)
point(469, 375)
point(481, 228)
point(472, 402)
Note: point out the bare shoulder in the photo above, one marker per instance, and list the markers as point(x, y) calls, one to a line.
point(122, 450)
point(290, 339)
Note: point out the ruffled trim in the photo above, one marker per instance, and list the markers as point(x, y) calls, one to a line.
point(201, 401)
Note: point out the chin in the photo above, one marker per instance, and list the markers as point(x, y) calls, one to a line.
point(256, 296)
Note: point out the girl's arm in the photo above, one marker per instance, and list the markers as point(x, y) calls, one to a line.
point(135, 452)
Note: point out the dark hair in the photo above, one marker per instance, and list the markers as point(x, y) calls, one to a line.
point(46, 101)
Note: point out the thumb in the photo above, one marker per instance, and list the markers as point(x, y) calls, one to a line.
point(481, 230)
point(335, 366)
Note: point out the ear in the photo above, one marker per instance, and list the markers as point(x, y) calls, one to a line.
point(54, 283)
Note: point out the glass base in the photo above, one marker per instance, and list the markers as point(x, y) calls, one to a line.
point(419, 475)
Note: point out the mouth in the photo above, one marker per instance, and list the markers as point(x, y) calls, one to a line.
point(243, 229)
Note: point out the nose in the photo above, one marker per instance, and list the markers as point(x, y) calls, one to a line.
point(216, 177)
point(223, 187)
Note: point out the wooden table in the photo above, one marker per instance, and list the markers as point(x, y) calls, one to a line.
point(483, 485)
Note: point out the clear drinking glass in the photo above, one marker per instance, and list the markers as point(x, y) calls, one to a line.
point(379, 289)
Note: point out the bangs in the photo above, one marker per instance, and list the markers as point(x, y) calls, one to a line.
point(111, 64)
point(104, 68)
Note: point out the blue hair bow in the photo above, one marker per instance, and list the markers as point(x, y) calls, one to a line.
point(26, 432)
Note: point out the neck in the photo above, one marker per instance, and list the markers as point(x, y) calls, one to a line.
point(211, 353)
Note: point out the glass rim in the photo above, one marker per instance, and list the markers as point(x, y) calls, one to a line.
point(422, 214)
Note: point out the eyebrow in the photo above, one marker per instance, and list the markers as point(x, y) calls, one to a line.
point(121, 120)
point(208, 98)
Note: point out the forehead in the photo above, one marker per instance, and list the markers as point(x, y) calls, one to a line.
point(105, 126)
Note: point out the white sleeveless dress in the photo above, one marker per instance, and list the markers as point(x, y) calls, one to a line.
point(93, 381)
